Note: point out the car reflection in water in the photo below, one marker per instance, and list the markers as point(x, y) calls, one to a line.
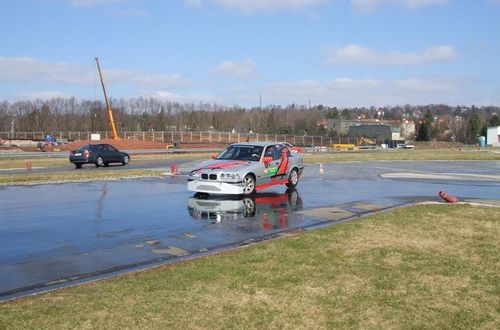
point(270, 209)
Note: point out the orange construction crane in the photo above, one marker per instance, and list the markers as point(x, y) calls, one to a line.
point(108, 106)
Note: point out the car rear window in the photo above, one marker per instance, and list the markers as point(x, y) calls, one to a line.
point(85, 147)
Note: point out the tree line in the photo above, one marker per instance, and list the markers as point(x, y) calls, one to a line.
point(440, 122)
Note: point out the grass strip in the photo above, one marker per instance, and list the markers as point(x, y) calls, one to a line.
point(19, 162)
point(328, 157)
point(425, 267)
point(401, 155)
point(6, 179)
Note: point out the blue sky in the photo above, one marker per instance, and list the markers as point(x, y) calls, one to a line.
point(341, 53)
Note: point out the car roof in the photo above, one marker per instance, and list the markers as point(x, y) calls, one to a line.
point(256, 143)
point(89, 145)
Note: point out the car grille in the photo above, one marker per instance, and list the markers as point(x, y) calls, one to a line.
point(206, 176)
point(207, 188)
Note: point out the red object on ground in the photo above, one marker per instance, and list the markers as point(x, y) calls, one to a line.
point(448, 198)
point(28, 166)
point(297, 149)
point(173, 168)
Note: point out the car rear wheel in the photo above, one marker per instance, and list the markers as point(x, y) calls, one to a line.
point(99, 161)
point(248, 184)
point(78, 165)
point(293, 179)
point(248, 207)
point(125, 160)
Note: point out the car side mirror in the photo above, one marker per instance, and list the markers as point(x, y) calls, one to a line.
point(268, 160)
point(214, 156)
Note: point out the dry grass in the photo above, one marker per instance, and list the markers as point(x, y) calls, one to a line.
point(401, 154)
point(426, 267)
point(45, 161)
point(330, 157)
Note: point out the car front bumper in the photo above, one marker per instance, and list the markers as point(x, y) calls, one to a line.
point(215, 187)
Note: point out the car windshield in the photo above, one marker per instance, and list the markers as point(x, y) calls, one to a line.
point(241, 152)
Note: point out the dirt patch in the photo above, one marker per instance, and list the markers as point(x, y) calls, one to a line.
point(120, 144)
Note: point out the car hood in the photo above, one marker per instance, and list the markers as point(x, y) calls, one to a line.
point(225, 165)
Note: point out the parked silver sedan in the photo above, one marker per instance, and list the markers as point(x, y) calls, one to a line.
point(243, 168)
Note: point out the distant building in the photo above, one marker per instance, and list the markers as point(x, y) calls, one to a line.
point(405, 129)
point(340, 126)
point(408, 130)
point(379, 132)
point(323, 124)
point(493, 136)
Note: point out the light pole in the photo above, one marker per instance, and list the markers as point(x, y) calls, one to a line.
point(11, 131)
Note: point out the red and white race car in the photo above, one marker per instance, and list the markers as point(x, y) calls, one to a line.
point(243, 168)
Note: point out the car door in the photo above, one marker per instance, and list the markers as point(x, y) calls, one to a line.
point(271, 167)
point(102, 151)
point(113, 154)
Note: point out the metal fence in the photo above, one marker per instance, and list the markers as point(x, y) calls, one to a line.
point(191, 137)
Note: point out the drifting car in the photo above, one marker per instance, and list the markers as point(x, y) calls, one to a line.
point(243, 168)
point(98, 154)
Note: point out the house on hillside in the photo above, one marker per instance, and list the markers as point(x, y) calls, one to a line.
point(493, 136)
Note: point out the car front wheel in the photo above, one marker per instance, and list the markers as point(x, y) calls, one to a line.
point(99, 161)
point(248, 184)
point(293, 179)
point(125, 160)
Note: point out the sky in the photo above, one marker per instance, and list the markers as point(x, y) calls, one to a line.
point(343, 53)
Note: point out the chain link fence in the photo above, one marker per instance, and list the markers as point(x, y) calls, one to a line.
point(195, 137)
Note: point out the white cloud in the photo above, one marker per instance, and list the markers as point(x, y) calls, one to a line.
point(348, 92)
point(235, 69)
point(426, 85)
point(29, 70)
point(362, 55)
point(181, 98)
point(45, 95)
point(258, 5)
point(143, 78)
point(371, 5)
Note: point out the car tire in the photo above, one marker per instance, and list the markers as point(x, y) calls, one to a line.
point(248, 207)
point(125, 160)
point(78, 166)
point(293, 199)
point(99, 161)
point(293, 179)
point(248, 184)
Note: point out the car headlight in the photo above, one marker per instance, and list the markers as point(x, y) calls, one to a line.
point(229, 176)
point(195, 173)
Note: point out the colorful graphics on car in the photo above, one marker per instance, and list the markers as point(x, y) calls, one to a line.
point(271, 170)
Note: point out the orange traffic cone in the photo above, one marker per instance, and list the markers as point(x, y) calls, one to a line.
point(448, 198)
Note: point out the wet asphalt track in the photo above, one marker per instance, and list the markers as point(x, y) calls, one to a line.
point(135, 164)
point(59, 234)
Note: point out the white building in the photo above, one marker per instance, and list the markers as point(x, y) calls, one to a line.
point(493, 136)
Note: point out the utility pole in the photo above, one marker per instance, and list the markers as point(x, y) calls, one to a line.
point(108, 106)
point(12, 132)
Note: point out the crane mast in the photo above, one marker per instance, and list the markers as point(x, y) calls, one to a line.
point(108, 106)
